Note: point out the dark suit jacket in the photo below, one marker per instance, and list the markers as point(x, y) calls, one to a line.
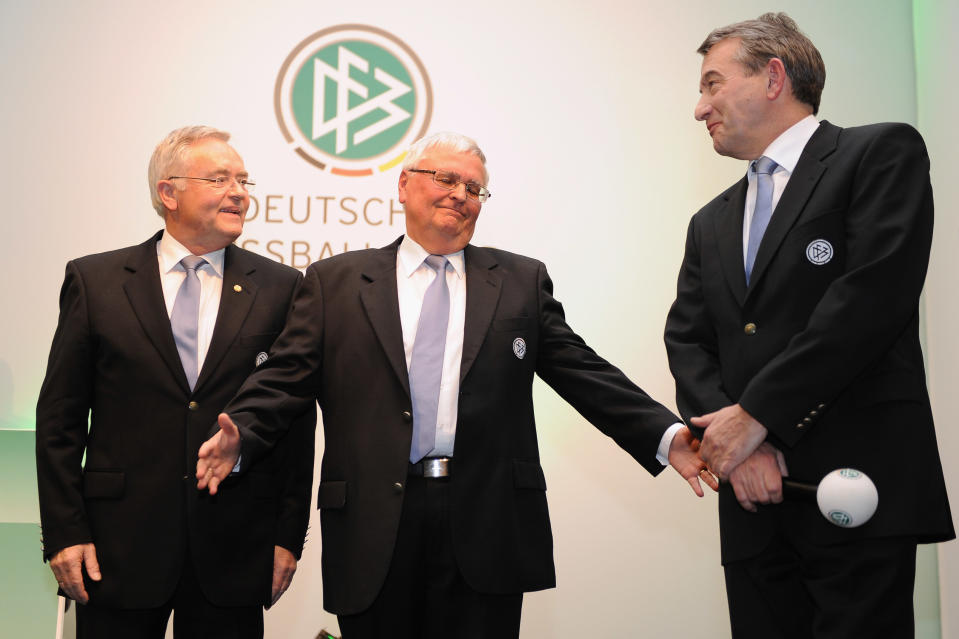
point(344, 346)
point(825, 354)
point(114, 360)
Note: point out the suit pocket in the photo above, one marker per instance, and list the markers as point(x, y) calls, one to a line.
point(332, 494)
point(510, 324)
point(813, 214)
point(262, 341)
point(103, 484)
point(528, 474)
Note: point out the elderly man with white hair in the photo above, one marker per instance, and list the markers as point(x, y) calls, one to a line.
point(422, 356)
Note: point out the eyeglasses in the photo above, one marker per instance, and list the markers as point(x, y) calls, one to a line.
point(220, 183)
point(449, 181)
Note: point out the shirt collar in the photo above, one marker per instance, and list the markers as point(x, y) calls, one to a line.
point(412, 255)
point(786, 149)
point(170, 252)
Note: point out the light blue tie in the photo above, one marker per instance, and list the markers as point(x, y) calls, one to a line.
point(186, 316)
point(764, 168)
point(426, 363)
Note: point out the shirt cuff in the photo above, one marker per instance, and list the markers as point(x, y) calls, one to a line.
point(662, 453)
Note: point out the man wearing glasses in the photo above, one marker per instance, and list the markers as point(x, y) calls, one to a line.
point(151, 343)
point(422, 356)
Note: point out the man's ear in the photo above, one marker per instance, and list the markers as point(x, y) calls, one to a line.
point(402, 186)
point(167, 193)
point(776, 73)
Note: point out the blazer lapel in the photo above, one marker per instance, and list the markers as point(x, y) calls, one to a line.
point(145, 293)
point(483, 286)
point(802, 183)
point(236, 300)
point(381, 302)
point(729, 238)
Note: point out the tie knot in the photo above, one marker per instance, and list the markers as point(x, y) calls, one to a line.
point(436, 262)
point(192, 262)
point(765, 165)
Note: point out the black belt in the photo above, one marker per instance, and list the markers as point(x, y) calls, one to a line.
point(432, 467)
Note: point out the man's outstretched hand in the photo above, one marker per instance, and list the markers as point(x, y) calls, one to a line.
point(218, 455)
point(684, 458)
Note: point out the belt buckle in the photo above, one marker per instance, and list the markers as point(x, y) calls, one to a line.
point(436, 467)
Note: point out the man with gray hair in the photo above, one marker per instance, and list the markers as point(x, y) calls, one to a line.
point(794, 341)
point(422, 356)
point(151, 343)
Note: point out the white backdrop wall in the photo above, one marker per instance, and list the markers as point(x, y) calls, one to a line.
point(936, 49)
point(596, 164)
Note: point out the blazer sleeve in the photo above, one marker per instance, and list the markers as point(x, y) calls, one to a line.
point(293, 515)
point(888, 228)
point(297, 489)
point(594, 387)
point(63, 410)
point(283, 387)
point(691, 341)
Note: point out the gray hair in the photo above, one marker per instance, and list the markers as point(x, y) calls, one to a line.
point(776, 35)
point(448, 141)
point(170, 154)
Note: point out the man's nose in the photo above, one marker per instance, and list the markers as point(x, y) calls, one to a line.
point(236, 191)
point(459, 191)
point(703, 109)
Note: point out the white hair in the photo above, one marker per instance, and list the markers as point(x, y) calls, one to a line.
point(448, 141)
point(169, 155)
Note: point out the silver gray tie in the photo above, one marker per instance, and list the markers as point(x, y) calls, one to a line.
point(426, 363)
point(186, 316)
point(764, 210)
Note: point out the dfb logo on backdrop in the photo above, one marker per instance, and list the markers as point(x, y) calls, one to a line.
point(350, 99)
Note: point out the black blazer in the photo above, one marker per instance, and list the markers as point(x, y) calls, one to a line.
point(114, 361)
point(344, 346)
point(823, 346)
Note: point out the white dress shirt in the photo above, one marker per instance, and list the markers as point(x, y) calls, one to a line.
point(172, 274)
point(784, 151)
point(413, 277)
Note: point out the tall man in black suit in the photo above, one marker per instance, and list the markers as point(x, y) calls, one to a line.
point(127, 534)
point(443, 546)
point(799, 348)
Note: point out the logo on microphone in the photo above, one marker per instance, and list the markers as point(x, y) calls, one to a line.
point(840, 518)
point(350, 99)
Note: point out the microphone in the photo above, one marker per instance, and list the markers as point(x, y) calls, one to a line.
point(846, 497)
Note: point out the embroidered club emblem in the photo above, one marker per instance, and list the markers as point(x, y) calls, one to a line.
point(519, 347)
point(819, 252)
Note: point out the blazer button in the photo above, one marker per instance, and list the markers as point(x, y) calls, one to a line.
point(821, 406)
point(814, 414)
point(398, 488)
point(749, 329)
point(194, 406)
point(800, 425)
point(807, 421)
point(407, 416)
